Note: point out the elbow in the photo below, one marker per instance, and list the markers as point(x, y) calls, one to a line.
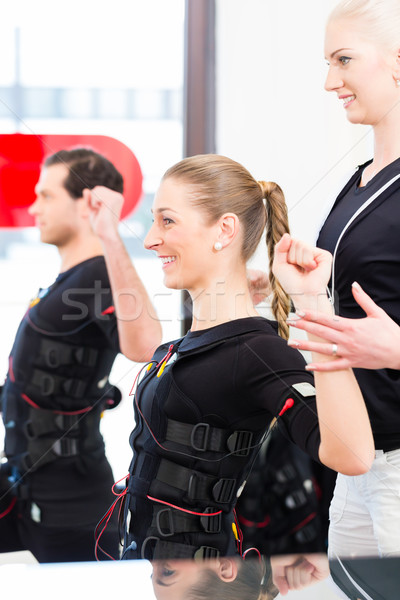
point(355, 467)
point(140, 350)
point(351, 463)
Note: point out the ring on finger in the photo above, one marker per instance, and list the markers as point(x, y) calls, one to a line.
point(334, 349)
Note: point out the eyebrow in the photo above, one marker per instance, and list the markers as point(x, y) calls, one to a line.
point(337, 51)
point(160, 210)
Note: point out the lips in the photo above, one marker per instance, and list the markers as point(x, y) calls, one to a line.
point(347, 99)
point(167, 259)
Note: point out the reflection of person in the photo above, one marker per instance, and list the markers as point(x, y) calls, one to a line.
point(57, 384)
point(205, 401)
point(225, 578)
point(295, 572)
point(231, 578)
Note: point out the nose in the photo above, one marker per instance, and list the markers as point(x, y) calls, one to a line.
point(333, 80)
point(152, 239)
point(33, 208)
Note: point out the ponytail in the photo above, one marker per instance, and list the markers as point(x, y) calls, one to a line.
point(277, 225)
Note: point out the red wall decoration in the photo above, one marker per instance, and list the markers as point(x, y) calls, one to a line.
point(21, 156)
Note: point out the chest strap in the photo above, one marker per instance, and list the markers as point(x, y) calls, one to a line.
point(203, 437)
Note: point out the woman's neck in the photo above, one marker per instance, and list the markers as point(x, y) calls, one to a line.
point(222, 302)
point(386, 143)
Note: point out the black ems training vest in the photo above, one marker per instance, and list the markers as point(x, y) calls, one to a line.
point(35, 436)
point(191, 465)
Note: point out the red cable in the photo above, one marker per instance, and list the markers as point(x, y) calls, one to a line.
point(190, 512)
point(9, 508)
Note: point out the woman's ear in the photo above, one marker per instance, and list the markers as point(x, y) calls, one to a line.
point(228, 569)
point(396, 71)
point(228, 228)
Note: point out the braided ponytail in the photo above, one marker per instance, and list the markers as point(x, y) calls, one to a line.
point(277, 225)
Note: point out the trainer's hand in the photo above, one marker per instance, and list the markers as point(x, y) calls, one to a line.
point(372, 342)
point(259, 286)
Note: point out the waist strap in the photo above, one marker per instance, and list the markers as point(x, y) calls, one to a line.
point(203, 437)
point(196, 485)
point(167, 522)
point(154, 548)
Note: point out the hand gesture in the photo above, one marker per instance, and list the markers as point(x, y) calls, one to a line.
point(297, 571)
point(369, 343)
point(302, 270)
point(259, 285)
point(105, 206)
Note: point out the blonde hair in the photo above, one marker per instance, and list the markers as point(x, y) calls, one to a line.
point(223, 185)
point(378, 19)
point(253, 582)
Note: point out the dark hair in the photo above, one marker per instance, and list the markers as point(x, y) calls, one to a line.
point(222, 185)
point(87, 169)
point(253, 582)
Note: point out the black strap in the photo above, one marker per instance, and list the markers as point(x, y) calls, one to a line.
point(154, 548)
point(52, 436)
point(203, 437)
point(49, 384)
point(196, 485)
point(53, 354)
point(167, 522)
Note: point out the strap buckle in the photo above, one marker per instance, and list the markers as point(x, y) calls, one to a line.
point(211, 524)
point(205, 437)
point(223, 490)
point(165, 529)
point(239, 442)
point(65, 447)
point(205, 552)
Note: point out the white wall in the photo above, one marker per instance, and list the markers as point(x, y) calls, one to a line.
point(273, 114)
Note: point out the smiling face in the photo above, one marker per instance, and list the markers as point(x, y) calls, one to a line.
point(361, 73)
point(56, 213)
point(182, 238)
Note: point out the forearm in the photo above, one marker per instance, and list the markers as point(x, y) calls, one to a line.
point(138, 326)
point(346, 438)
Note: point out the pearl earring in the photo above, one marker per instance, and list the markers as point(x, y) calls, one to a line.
point(217, 246)
point(398, 82)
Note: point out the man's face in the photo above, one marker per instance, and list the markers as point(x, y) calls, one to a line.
point(57, 215)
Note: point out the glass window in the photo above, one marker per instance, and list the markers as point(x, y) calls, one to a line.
point(102, 68)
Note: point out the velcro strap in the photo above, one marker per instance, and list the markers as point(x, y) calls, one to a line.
point(50, 384)
point(198, 486)
point(53, 354)
point(203, 437)
point(46, 450)
point(167, 522)
point(44, 422)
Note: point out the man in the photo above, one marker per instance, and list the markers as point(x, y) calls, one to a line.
point(58, 478)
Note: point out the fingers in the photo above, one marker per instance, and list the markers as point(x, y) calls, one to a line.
point(320, 347)
point(302, 255)
point(338, 364)
point(258, 280)
point(281, 583)
point(365, 301)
